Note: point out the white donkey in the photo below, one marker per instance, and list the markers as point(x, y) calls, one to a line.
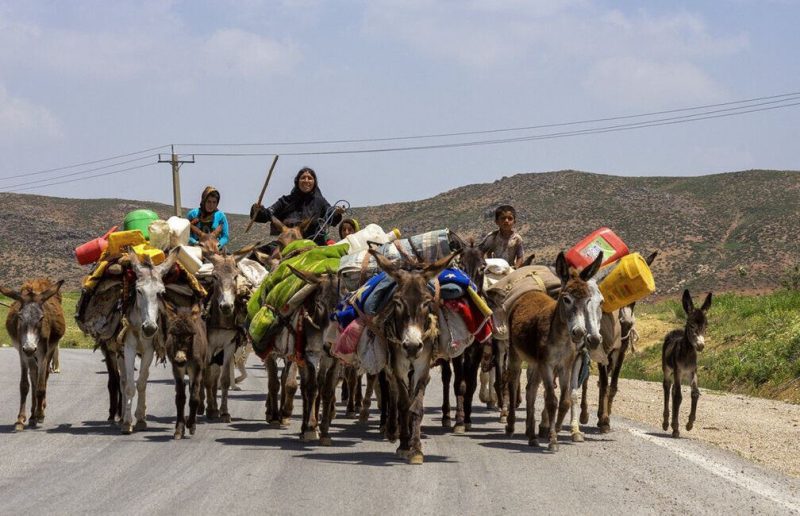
point(144, 319)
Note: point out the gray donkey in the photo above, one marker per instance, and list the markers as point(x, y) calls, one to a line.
point(679, 360)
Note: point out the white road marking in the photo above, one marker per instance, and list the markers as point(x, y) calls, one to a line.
point(790, 502)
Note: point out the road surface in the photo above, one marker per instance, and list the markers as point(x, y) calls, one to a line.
point(77, 463)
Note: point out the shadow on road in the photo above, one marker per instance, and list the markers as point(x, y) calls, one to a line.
point(374, 458)
point(283, 442)
point(86, 428)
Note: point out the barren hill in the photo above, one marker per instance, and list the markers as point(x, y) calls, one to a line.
point(734, 231)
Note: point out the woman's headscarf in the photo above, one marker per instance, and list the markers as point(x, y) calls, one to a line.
point(352, 222)
point(296, 191)
point(209, 190)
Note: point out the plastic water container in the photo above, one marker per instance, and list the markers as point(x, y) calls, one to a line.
point(179, 229)
point(159, 234)
point(119, 240)
point(141, 220)
point(91, 251)
point(190, 258)
point(605, 240)
point(630, 281)
point(146, 253)
point(370, 233)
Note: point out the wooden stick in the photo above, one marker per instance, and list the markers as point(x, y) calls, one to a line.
point(263, 190)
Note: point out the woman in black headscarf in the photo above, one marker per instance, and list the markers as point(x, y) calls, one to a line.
point(304, 203)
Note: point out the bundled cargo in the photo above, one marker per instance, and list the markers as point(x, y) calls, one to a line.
point(629, 281)
point(508, 289)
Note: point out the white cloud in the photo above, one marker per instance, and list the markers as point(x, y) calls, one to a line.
point(635, 82)
point(22, 119)
point(246, 54)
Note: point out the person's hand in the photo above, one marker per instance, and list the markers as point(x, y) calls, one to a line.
point(254, 209)
point(340, 210)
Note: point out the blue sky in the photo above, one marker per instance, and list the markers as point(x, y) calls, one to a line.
point(86, 80)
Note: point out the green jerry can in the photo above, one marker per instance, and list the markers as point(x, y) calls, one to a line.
point(141, 220)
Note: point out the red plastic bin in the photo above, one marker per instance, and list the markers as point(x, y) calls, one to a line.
point(603, 239)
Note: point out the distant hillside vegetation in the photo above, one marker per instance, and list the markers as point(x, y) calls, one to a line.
point(735, 231)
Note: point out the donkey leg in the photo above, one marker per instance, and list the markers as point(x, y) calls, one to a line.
point(271, 412)
point(113, 382)
point(329, 373)
point(695, 397)
point(501, 378)
point(366, 402)
point(565, 398)
point(575, 428)
point(33, 376)
point(531, 390)
point(551, 405)
point(350, 380)
point(447, 375)
point(472, 368)
point(677, 397)
point(55, 361)
point(416, 413)
point(602, 402)
point(288, 390)
point(584, 401)
point(141, 387)
point(180, 402)
point(390, 413)
point(667, 385)
point(226, 381)
point(459, 387)
point(43, 372)
point(196, 387)
point(308, 389)
point(24, 387)
point(514, 370)
point(617, 358)
point(127, 384)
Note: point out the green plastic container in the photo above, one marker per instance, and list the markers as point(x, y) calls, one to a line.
point(141, 220)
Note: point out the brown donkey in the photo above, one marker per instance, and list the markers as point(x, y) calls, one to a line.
point(545, 333)
point(679, 360)
point(187, 347)
point(409, 325)
point(35, 323)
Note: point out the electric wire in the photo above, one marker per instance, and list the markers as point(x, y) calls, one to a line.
point(82, 178)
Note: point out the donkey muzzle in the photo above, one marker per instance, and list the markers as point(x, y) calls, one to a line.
point(577, 335)
point(29, 348)
point(412, 349)
point(149, 329)
point(226, 308)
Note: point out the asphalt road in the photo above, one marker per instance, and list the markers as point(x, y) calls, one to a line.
point(77, 463)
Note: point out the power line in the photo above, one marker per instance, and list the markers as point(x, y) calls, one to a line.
point(490, 131)
point(71, 174)
point(548, 136)
point(94, 162)
point(15, 187)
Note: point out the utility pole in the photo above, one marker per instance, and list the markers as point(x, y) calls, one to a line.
point(176, 178)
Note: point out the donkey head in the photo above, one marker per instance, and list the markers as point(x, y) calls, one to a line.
point(696, 320)
point(31, 314)
point(289, 233)
point(149, 289)
point(182, 330)
point(412, 320)
point(473, 263)
point(224, 278)
point(574, 302)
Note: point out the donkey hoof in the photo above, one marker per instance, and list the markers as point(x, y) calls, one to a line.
point(577, 437)
point(178, 435)
point(141, 424)
point(689, 425)
point(225, 418)
point(201, 410)
point(509, 430)
point(19, 427)
point(584, 418)
point(363, 419)
point(127, 429)
point(533, 443)
point(391, 437)
point(447, 422)
point(604, 429)
point(459, 429)
point(467, 426)
point(553, 447)
point(665, 426)
point(212, 414)
point(416, 458)
point(310, 435)
point(544, 432)
point(676, 434)
point(285, 421)
point(350, 414)
point(192, 429)
point(503, 420)
point(491, 405)
point(274, 422)
point(403, 453)
point(325, 441)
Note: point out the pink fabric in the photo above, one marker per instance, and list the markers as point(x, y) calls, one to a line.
point(346, 344)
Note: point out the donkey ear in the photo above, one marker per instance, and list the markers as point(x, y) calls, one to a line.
point(13, 294)
point(165, 267)
point(706, 303)
point(591, 270)
point(307, 277)
point(133, 258)
point(529, 259)
point(562, 268)
point(304, 225)
point(278, 224)
point(688, 304)
point(384, 263)
point(650, 259)
point(433, 270)
point(196, 311)
point(50, 292)
point(171, 309)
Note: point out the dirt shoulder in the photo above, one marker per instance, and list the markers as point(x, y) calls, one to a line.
point(764, 431)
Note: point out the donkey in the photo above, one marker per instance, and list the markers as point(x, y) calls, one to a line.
point(618, 331)
point(35, 323)
point(546, 333)
point(223, 334)
point(466, 365)
point(679, 360)
point(141, 335)
point(321, 372)
point(187, 347)
point(410, 327)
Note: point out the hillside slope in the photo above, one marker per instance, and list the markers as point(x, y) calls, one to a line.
point(734, 231)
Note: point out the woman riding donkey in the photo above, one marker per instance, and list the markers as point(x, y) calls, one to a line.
point(304, 206)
